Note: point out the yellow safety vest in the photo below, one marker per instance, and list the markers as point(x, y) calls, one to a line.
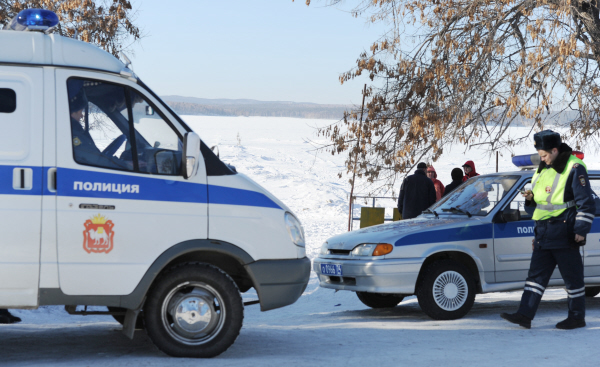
point(549, 191)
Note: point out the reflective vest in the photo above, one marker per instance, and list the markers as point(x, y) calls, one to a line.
point(549, 191)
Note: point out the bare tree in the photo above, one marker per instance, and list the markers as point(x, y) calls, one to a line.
point(108, 24)
point(476, 67)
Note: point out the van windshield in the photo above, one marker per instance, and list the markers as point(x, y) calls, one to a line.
point(478, 196)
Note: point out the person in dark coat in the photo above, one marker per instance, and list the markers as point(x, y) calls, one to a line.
point(470, 171)
point(564, 214)
point(457, 180)
point(417, 193)
point(7, 318)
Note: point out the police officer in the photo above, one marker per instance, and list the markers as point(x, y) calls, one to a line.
point(564, 213)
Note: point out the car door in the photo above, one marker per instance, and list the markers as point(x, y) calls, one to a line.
point(512, 242)
point(21, 182)
point(592, 246)
point(121, 196)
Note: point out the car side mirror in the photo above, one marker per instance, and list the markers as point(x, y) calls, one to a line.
point(191, 154)
point(511, 215)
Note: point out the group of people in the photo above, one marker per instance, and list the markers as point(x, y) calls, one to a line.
point(422, 189)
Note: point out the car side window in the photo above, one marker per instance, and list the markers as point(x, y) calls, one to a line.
point(595, 184)
point(99, 132)
point(518, 202)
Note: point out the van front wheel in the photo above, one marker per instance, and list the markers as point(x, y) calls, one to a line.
point(446, 291)
point(194, 310)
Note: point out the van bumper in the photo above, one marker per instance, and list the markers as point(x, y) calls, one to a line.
point(397, 276)
point(279, 282)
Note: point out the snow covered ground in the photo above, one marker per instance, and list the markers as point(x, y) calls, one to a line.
point(323, 328)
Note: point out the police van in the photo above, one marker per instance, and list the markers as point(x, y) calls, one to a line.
point(477, 239)
point(109, 199)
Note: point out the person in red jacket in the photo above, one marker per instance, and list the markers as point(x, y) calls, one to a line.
point(469, 168)
point(439, 186)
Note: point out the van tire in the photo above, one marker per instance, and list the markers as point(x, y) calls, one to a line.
point(379, 300)
point(446, 290)
point(592, 291)
point(214, 306)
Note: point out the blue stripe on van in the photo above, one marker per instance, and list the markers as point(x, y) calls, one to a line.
point(458, 234)
point(149, 188)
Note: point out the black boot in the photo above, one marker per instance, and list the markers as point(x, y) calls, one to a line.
point(570, 324)
point(517, 318)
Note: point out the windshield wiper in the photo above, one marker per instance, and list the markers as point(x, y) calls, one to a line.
point(429, 211)
point(458, 210)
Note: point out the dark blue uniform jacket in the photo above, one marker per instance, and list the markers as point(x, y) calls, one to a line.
point(559, 232)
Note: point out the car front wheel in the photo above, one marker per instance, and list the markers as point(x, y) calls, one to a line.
point(194, 310)
point(446, 291)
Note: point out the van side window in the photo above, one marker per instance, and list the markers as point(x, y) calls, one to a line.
point(159, 147)
point(8, 100)
point(100, 133)
point(105, 118)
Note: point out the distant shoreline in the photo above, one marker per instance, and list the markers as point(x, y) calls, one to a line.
point(224, 107)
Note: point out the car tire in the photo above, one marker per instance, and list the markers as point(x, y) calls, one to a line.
point(446, 290)
point(139, 323)
point(194, 310)
point(592, 291)
point(379, 300)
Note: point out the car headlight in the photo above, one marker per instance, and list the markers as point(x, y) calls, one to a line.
point(324, 249)
point(295, 230)
point(372, 249)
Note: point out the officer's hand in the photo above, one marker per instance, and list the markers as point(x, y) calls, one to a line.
point(528, 195)
point(532, 242)
point(579, 238)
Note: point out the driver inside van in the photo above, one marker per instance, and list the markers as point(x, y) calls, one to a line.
point(85, 150)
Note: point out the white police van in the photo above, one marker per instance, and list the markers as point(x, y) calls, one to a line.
point(109, 199)
point(477, 239)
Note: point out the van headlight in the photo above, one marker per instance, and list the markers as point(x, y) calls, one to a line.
point(295, 230)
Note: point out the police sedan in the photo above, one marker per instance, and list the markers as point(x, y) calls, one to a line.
point(477, 239)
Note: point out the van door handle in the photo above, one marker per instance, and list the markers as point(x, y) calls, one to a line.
point(22, 178)
point(51, 179)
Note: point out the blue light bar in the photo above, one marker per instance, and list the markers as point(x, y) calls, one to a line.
point(34, 20)
point(526, 161)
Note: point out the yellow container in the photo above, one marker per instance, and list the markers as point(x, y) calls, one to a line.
point(371, 216)
point(397, 215)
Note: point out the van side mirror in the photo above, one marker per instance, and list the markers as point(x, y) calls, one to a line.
point(191, 154)
point(511, 215)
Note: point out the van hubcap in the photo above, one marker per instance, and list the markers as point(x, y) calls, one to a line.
point(193, 313)
point(450, 291)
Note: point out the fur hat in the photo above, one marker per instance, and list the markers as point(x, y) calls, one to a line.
point(546, 140)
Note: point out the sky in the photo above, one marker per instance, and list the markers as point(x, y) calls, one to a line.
point(270, 50)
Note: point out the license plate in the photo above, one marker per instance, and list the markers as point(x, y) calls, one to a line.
point(331, 269)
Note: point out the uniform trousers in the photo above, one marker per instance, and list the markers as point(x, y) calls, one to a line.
point(543, 263)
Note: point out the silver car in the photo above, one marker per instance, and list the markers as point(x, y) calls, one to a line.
point(477, 239)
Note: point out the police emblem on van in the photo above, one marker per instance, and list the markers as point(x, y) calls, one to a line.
point(98, 235)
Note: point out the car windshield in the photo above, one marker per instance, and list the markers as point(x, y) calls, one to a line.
point(478, 196)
